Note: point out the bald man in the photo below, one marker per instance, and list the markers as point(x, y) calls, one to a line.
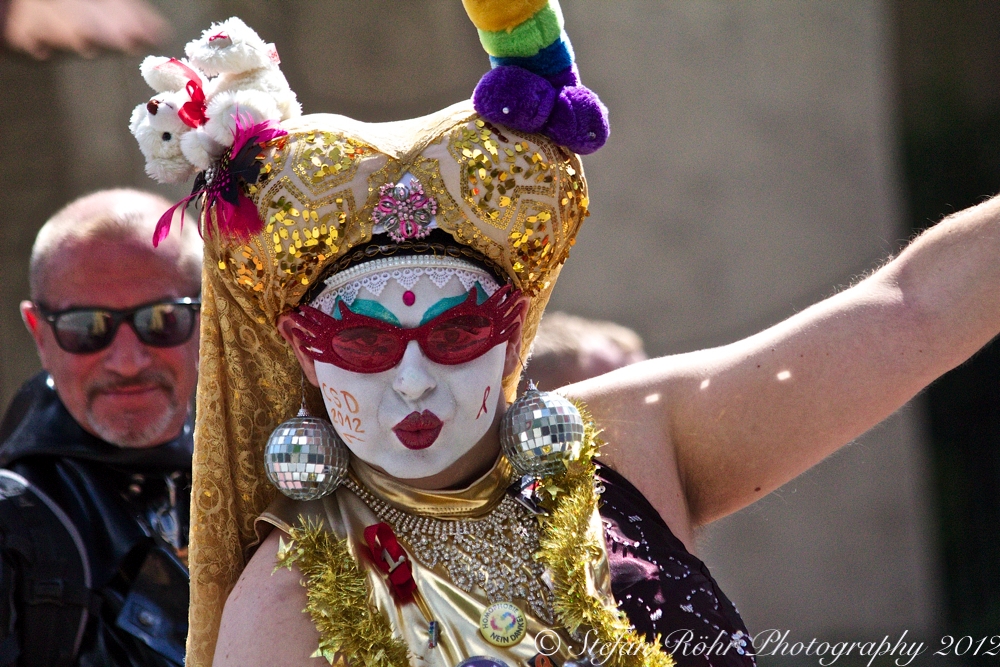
point(96, 449)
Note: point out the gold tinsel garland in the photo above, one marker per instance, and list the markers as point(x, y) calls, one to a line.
point(338, 601)
point(350, 629)
point(566, 536)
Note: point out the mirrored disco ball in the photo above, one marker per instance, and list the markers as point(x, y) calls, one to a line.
point(305, 458)
point(540, 432)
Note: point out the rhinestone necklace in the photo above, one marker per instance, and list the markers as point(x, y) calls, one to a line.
point(495, 552)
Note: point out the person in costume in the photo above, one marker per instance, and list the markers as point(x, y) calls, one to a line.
point(389, 276)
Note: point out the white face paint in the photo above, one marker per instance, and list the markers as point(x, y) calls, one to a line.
point(368, 409)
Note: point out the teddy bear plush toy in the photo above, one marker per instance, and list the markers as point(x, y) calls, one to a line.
point(246, 83)
point(176, 109)
point(230, 73)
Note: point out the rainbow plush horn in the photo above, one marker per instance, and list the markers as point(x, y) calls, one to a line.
point(534, 85)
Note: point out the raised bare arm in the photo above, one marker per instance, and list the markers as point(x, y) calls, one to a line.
point(705, 434)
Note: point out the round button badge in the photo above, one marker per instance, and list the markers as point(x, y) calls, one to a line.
point(502, 624)
point(481, 661)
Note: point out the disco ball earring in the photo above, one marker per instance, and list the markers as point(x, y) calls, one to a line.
point(304, 457)
point(540, 432)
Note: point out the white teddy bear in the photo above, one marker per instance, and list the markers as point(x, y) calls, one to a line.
point(247, 83)
point(159, 124)
point(191, 121)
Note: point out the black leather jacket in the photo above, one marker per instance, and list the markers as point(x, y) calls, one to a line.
point(104, 583)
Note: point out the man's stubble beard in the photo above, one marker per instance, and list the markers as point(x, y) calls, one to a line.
point(125, 432)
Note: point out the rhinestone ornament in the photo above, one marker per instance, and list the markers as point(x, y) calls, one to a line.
point(405, 211)
point(495, 552)
point(305, 458)
point(540, 432)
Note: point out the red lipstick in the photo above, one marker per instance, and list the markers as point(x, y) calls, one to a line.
point(418, 430)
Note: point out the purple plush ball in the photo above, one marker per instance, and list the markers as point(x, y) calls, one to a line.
point(579, 120)
point(514, 97)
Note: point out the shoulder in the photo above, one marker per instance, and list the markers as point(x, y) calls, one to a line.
point(21, 405)
point(633, 411)
point(35, 526)
point(264, 621)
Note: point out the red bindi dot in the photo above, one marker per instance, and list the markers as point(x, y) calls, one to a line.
point(409, 298)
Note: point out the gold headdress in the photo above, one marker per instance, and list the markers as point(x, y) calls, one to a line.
point(515, 198)
point(287, 205)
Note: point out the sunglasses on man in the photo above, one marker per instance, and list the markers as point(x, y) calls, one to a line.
point(165, 323)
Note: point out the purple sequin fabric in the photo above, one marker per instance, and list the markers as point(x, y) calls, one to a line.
point(664, 589)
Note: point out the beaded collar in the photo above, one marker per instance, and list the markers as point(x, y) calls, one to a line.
point(473, 501)
point(479, 534)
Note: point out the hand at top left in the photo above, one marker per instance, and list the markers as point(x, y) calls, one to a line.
point(84, 27)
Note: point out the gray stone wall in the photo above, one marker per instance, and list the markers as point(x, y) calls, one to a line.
point(750, 171)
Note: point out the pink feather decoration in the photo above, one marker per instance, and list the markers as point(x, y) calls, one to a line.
point(236, 215)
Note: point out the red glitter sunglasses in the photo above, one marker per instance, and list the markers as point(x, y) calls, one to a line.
point(363, 344)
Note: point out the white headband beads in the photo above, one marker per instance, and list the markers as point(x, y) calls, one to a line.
point(406, 270)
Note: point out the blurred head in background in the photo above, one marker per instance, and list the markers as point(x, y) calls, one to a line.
point(571, 349)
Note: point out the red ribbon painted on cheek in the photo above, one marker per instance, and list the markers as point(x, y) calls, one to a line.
point(483, 409)
point(391, 559)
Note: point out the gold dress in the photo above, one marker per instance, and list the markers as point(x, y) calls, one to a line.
point(468, 549)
